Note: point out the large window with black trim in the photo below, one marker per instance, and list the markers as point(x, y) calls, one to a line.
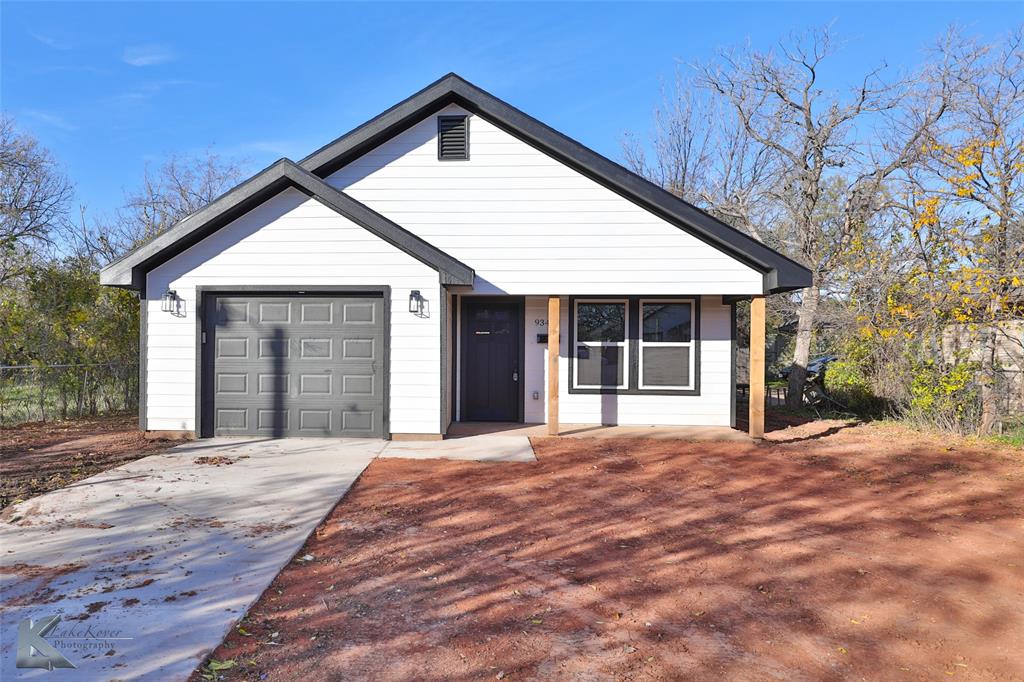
point(635, 345)
point(600, 339)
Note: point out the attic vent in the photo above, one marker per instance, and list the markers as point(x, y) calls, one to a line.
point(453, 138)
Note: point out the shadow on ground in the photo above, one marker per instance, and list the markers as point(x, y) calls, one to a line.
point(861, 553)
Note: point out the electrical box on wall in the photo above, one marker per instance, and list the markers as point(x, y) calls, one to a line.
point(542, 338)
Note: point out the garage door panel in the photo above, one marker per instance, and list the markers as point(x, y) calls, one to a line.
point(359, 313)
point(272, 347)
point(315, 385)
point(314, 348)
point(269, 384)
point(272, 313)
point(357, 420)
point(233, 313)
point(272, 420)
point(232, 347)
point(297, 365)
point(232, 384)
point(359, 349)
point(232, 419)
point(311, 419)
point(358, 385)
point(316, 313)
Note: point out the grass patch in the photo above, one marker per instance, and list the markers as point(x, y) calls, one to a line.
point(1013, 437)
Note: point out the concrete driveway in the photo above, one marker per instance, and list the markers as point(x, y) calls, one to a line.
point(149, 564)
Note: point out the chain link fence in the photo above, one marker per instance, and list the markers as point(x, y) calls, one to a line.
point(1009, 385)
point(774, 395)
point(48, 392)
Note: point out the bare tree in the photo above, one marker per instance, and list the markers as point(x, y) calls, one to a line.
point(178, 188)
point(830, 176)
point(702, 155)
point(683, 140)
point(34, 196)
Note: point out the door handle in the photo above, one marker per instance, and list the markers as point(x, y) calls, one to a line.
point(515, 376)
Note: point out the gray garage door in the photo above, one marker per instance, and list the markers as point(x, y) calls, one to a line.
point(296, 365)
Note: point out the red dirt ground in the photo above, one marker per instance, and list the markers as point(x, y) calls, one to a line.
point(42, 456)
point(831, 552)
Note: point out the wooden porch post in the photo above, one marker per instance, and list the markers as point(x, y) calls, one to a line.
point(554, 327)
point(757, 340)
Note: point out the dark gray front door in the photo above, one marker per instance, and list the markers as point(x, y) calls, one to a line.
point(492, 340)
point(294, 365)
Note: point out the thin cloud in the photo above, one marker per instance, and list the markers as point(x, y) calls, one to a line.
point(131, 98)
point(146, 91)
point(53, 42)
point(263, 147)
point(70, 68)
point(50, 119)
point(147, 55)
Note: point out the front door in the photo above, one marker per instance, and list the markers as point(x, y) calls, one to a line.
point(492, 341)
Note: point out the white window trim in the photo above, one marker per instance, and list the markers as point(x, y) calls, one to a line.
point(691, 344)
point(624, 344)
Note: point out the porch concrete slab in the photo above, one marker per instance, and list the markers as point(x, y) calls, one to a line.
point(480, 448)
point(148, 565)
point(463, 430)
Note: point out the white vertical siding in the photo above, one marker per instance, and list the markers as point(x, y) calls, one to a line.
point(294, 240)
point(535, 359)
point(529, 224)
point(450, 356)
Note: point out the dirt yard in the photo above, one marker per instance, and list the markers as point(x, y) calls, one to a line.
point(42, 456)
point(832, 552)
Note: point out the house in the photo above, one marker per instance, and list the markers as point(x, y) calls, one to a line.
point(422, 269)
point(962, 342)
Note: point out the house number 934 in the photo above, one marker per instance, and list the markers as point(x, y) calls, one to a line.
point(541, 323)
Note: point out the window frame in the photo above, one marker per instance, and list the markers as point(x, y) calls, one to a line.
point(691, 344)
point(624, 344)
point(631, 372)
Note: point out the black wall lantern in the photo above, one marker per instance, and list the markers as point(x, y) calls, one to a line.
point(170, 302)
point(416, 302)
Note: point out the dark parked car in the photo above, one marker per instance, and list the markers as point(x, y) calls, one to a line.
point(815, 366)
point(814, 384)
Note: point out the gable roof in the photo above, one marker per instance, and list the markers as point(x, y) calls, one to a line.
point(780, 273)
point(129, 271)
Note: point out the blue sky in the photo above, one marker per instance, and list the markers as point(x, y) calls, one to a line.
point(110, 87)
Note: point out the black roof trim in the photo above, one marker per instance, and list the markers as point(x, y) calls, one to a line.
point(780, 273)
point(130, 270)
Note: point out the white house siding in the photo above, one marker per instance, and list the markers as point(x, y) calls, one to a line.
point(449, 345)
point(296, 241)
point(711, 408)
point(535, 361)
point(529, 224)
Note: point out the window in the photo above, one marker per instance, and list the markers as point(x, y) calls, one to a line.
point(600, 340)
point(635, 345)
point(453, 138)
point(666, 350)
